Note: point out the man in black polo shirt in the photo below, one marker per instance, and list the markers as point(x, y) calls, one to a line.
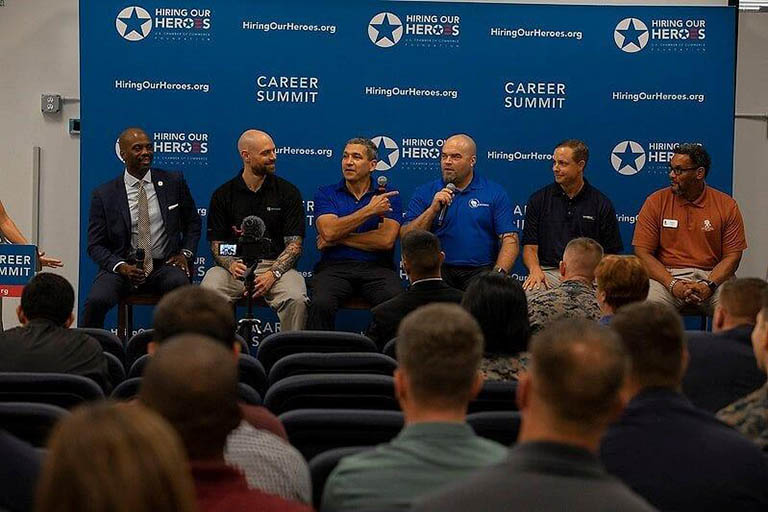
point(257, 191)
point(566, 209)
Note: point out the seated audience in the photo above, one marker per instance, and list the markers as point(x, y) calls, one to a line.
point(192, 382)
point(44, 343)
point(722, 365)
point(439, 347)
point(567, 399)
point(259, 445)
point(676, 456)
point(115, 458)
point(422, 259)
point(499, 305)
point(749, 415)
point(620, 280)
point(19, 470)
point(575, 296)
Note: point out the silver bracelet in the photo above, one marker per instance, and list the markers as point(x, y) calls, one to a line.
point(672, 284)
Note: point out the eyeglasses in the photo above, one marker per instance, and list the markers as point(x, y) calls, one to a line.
point(677, 171)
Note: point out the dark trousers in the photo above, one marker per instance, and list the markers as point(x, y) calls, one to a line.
point(108, 288)
point(459, 277)
point(335, 281)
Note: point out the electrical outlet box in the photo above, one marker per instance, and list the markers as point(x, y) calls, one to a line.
point(50, 103)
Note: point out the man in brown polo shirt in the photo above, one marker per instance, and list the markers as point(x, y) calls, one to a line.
point(689, 236)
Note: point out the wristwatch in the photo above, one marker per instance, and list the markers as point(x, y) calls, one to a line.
point(187, 253)
point(276, 273)
point(499, 270)
point(711, 284)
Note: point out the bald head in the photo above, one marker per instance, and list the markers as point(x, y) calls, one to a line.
point(192, 382)
point(581, 257)
point(257, 150)
point(136, 150)
point(129, 135)
point(464, 141)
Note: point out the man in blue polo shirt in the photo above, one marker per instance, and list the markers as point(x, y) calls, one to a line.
point(357, 225)
point(472, 219)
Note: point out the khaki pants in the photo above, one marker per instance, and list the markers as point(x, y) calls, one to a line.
point(288, 296)
point(659, 293)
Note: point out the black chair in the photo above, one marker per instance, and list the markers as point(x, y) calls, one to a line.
point(137, 346)
point(138, 367)
point(343, 362)
point(500, 426)
point(30, 422)
point(321, 465)
point(108, 341)
point(332, 391)
point(129, 389)
point(495, 396)
point(278, 345)
point(314, 431)
point(115, 369)
point(251, 371)
point(62, 390)
point(389, 348)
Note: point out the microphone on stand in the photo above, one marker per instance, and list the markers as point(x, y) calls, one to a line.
point(381, 181)
point(441, 217)
point(140, 259)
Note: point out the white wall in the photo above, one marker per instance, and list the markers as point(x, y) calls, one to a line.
point(39, 53)
point(39, 42)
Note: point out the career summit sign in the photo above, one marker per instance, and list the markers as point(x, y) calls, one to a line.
point(18, 264)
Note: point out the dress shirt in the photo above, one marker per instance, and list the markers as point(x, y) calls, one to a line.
point(156, 227)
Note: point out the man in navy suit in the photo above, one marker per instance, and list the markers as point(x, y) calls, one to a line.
point(145, 209)
point(422, 259)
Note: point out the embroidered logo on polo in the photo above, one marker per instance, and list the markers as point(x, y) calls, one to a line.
point(708, 226)
point(475, 203)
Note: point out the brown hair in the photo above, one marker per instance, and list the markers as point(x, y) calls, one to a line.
point(653, 337)
point(742, 297)
point(440, 347)
point(115, 458)
point(580, 150)
point(578, 368)
point(624, 280)
point(422, 251)
point(195, 310)
point(192, 382)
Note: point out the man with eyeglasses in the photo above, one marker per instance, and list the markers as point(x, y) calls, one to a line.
point(689, 236)
point(471, 215)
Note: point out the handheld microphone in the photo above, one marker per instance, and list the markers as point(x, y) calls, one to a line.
point(253, 227)
point(140, 259)
point(381, 181)
point(441, 217)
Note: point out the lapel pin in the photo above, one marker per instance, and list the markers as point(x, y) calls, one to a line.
point(159, 183)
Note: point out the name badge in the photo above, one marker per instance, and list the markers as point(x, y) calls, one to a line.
point(669, 223)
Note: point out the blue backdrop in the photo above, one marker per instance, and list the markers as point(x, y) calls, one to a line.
point(630, 81)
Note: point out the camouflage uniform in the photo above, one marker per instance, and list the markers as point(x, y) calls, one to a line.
point(749, 415)
point(571, 299)
point(504, 366)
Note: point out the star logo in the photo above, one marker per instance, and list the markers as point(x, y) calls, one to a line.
point(628, 157)
point(133, 23)
point(631, 35)
point(385, 29)
point(388, 151)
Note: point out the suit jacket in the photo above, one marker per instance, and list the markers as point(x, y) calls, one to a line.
point(540, 476)
point(109, 220)
point(387, 315)
point(722, 368)
point(681, 458)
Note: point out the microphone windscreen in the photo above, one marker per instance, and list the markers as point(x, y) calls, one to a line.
point(382, 181)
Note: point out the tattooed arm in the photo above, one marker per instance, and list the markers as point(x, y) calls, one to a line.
point(290, 255)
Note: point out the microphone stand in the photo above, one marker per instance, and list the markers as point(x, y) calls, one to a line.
point(250, 325)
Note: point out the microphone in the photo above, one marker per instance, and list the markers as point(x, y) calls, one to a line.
point(440, 218)
point(140, 259)
point(381, 181)
point(253, 227)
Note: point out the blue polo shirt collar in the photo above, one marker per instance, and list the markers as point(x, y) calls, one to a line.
point(341, 186)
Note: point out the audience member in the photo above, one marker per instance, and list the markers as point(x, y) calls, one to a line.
point(676, 456)
point(499, 305)
point(439, 347)
point(567, 399)
point(192, 382)
point(44, 343)
point(722, 365)
point(115, 458)
point(749, 415)
point(621, 280)
point(19, 470)
point(259, 445)
point(422, 259)
point(575, 296)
